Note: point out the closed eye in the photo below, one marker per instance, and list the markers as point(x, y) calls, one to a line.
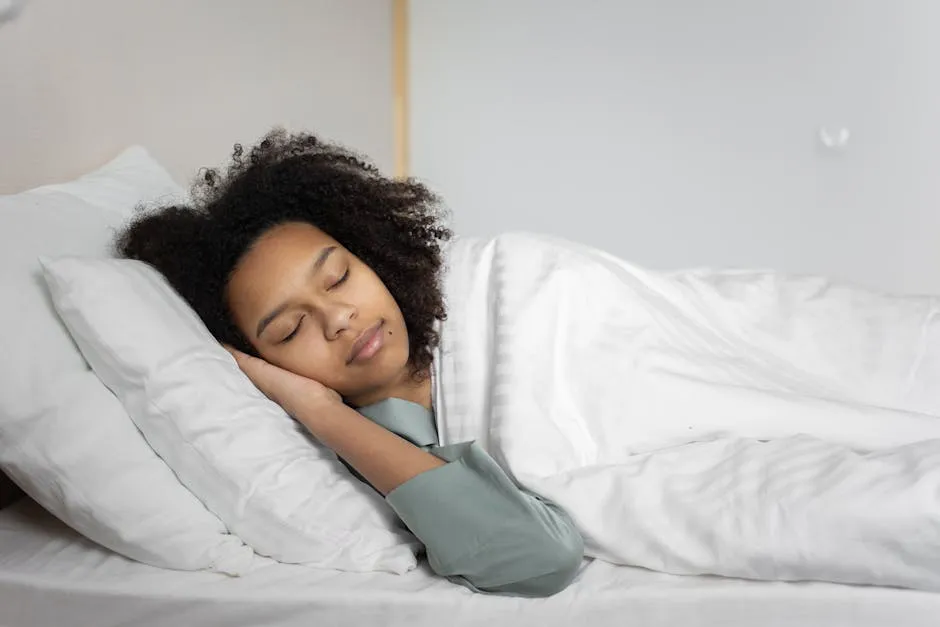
point(300, 322)
point(294, 332)
point(341, 280)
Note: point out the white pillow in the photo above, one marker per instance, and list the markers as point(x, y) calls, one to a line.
point(64, 438)
point(257, 469)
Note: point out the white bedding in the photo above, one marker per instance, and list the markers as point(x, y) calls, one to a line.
point(49, 575)
point(746, 424)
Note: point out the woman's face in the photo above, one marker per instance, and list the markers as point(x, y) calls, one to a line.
point(308, 305)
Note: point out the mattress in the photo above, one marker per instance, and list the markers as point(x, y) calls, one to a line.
point(50, 575)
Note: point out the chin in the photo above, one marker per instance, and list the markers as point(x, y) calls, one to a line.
point(388, 371)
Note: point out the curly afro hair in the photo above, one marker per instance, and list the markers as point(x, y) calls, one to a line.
point(394, 226)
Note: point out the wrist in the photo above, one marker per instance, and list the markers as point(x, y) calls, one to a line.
point(316, 410)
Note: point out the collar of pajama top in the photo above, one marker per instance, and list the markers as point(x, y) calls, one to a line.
point(409, 420)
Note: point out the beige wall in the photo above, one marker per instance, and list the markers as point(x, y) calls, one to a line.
point(80, 80)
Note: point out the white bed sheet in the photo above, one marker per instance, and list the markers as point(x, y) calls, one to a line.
point(49, 575)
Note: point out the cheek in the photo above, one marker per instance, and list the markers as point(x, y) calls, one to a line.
point(306, 358)
point(397, 338)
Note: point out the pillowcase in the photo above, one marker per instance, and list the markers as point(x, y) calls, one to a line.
point(64, 438)
point(257, 469)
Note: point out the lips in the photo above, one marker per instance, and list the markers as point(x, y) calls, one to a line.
point(363, 340)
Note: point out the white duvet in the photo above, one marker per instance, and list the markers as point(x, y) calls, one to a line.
point(744, 424)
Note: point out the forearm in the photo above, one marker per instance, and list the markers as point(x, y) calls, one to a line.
point(477, 526)
point(384, 459)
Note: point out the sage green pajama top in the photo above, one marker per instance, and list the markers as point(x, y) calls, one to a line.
point(478, 527)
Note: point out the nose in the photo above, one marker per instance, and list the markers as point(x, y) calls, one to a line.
point(337, 318)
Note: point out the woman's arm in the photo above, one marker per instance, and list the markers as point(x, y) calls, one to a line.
point(384, 459)
point(483, 530)
point(477, 526)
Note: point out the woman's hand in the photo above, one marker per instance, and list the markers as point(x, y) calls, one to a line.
point(293, 392)
point(383, 458)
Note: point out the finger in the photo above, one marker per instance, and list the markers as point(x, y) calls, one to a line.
point(252, 366)
point(242, 360)
point(235, 353)
point(240, 356)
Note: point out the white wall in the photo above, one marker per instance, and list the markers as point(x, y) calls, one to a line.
point(82, 79)
point(680, 132)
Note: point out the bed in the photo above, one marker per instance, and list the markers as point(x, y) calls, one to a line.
point(50, 575)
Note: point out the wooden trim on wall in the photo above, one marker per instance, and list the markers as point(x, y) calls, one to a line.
point(400, 85)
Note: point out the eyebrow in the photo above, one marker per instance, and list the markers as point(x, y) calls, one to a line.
point(277, 311)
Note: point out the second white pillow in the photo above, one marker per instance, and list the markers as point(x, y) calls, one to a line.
point(241, 454)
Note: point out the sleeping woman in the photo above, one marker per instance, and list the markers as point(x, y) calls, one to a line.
point(323, 279)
